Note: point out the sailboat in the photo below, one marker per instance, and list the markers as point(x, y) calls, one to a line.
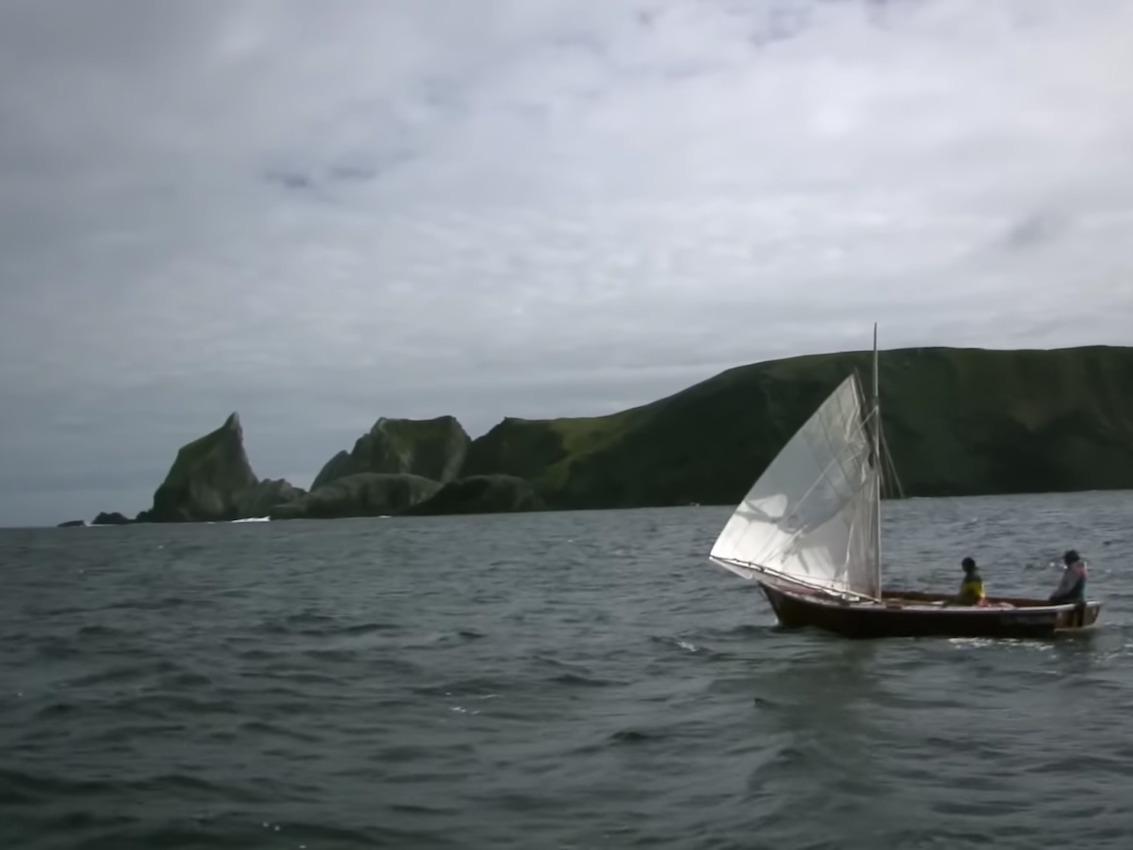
point(809, 532)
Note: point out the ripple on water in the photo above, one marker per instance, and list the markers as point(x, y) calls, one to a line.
point(362, 684)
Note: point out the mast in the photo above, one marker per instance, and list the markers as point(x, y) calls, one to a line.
point(877, 453)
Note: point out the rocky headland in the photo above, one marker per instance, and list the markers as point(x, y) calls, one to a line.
point(957, 422)
point(212, 481)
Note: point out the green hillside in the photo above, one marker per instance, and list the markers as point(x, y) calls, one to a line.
point(958, 421)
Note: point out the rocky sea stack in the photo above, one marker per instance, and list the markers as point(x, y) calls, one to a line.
point(211, 480)
point(430, 448)
point(112, 518)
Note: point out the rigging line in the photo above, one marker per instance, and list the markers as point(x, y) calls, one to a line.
point(892, 466)
point(874, 435)
point(866, 404)
point(885, 463)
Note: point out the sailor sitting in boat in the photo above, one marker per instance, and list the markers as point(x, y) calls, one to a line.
point(972, 586)
point(1073, 585)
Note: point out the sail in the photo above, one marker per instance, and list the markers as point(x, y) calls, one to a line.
point(813, 514)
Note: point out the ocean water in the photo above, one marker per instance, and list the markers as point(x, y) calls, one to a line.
point(560, 680)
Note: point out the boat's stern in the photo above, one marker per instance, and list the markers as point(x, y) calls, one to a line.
point(1080, 616)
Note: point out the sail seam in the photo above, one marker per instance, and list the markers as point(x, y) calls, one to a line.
point(820, 528)
point(823, 476)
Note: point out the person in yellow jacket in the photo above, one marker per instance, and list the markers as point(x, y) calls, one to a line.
point(972, 587)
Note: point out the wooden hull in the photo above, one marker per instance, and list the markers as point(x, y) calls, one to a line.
point(921, 615)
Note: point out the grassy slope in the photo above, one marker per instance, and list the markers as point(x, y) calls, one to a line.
point(957, 421)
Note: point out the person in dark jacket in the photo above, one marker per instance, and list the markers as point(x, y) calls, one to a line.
point(1072, 588)
point(972, 586)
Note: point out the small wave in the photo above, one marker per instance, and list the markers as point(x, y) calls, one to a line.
point(187, 679)
point(298, 676)
point(263, 727)
point(986, 643)
point(56, 710)
point(544, 659)
point(170, 705)
point(742, 630)
point(252, 519)
point(130, 733)
point(257, 654)
point(482, 687)
point(18, 786)
point(418, 809)
point(343, 655)
point(677, 642)
point(124, 673)
point(150, 604)
point(99, 631)
point(64, 611)
point(308, 616)
point(324, 626)
point(577, 680)
point(56, 649)
point(633, 736)
point(367, 628)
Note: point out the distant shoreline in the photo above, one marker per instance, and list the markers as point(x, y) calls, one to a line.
point(958, 422)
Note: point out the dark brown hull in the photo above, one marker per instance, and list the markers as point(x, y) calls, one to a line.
point(924, 615)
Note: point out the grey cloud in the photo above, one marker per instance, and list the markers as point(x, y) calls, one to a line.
point(322, 215)
point(1034, 229)
point(294, 180)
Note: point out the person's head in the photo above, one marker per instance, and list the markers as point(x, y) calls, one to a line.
point(968, 564)
point(1070, 557)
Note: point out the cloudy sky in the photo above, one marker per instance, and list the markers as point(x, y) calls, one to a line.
point(322, 213)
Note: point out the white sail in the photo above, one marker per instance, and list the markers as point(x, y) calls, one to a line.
point(813, 514)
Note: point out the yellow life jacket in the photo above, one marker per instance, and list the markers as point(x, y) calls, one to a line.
point(972, 590)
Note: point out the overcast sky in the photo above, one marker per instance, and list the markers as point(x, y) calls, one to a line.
point(322, 213)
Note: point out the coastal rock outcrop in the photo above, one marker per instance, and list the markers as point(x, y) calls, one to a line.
point(71, 523)
point(431, 448)
point(481, 494)
point(112, 518)
point(362, 494)
point(523, 447)
point(956, 422)
point(264, 497)
point(211, 480)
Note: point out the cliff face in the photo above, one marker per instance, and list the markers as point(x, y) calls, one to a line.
point(211, 479)
point(957, 421)
point(481, 494)
point(362, 494)
point(262, 498)
point(431, 448)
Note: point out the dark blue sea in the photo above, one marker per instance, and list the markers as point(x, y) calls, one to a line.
point(558, 680)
